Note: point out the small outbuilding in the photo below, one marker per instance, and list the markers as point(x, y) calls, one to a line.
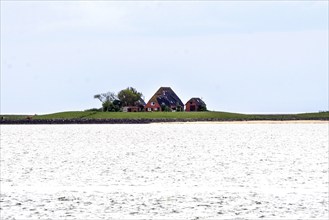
point(195, 104)
point(137, 107)
point(131, 109)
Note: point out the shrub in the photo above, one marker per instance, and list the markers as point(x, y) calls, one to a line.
point(93, 110)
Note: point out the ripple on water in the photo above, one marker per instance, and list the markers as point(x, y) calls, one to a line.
point(164, 171)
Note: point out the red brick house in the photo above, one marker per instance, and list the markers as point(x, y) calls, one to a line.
point(195, 104)
point(137, 107)
point(165, 99)
point(131, 109)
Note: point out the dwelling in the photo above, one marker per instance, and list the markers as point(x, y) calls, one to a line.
point(137, 107)
point(195, 104)
point(131, 109)
point(165, 99)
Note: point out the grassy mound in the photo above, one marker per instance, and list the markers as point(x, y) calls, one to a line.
point(181, 115)
point(220, 116)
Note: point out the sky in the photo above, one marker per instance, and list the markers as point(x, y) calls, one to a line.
point(238, 56)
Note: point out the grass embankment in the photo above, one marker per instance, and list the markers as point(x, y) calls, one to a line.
point(141, 115)
point(220, 116)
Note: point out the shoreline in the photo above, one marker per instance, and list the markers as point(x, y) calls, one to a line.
point(261, 122)
point(171, 121)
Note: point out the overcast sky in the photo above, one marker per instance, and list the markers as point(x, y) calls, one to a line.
point(240, 56)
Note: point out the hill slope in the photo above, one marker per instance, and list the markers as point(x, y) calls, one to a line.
point(94, 116)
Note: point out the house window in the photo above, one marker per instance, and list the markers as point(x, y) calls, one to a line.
point(155, 109)
point(149, 109)
point(152, 103)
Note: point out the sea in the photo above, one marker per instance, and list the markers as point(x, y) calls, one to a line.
point(165, 171)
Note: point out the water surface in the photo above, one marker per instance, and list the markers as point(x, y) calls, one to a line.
point(164, 171)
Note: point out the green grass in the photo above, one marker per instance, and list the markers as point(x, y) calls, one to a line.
point(140, 115)
point(66, 115)
point(173, 115)
point(315, 115)
point(166, 115)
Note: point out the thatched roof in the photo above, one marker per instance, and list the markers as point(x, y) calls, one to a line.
point(197, 101)
point(166, 96)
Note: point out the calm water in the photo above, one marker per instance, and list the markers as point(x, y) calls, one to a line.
point(164, 171)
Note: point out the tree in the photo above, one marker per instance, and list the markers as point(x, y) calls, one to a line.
point(109, 101)
point(129, 96)
point(103, 97)
point(106, 106)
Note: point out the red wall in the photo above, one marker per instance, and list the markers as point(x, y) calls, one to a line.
point(188, 107)
point(156, 105)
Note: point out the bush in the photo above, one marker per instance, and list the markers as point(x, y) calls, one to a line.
point(93, 110)
point(203, 108)
point(165, 108)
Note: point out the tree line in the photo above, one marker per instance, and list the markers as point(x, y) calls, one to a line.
point(112, 102)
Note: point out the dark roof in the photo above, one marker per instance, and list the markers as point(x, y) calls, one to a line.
point(165, 95)
point(141, 102)
point(197, 101)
